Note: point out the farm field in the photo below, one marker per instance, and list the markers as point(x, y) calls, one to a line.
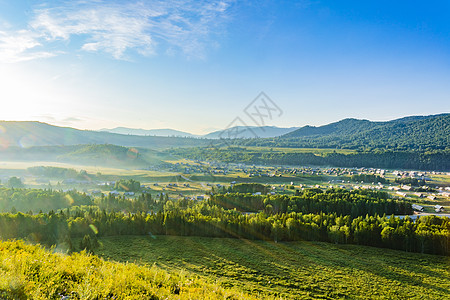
point(294, 270)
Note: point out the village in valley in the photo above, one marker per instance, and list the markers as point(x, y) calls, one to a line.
point(427, 191)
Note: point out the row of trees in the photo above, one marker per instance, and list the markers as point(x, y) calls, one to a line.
point(144, 202)
point(56, 172)
point(14, 182)
point(13, 199)
point(410, 181)
point(354, 203)
point(369, 178)
point(36, 200)
point(249, 188)
point(428, 234)
point(129, 185)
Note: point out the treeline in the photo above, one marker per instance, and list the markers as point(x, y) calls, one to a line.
point(129, 185)
point(55, 172)
point(35, 200)
point(354, 203)
point(369, 178)
point(432, 160)
point(243, 202)
point(38, 200)
point(410, 181)
point(428, 234)
point(249, 188)
point(144, 202)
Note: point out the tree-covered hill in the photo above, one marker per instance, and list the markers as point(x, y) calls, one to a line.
point(410, 133)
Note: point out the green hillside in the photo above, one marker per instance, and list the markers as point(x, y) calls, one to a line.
point(410, 133)
point(213, 268)
point(294, 270)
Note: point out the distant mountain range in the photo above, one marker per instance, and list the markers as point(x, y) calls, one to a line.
point(248, 132)
point(232, 132)
point(416, 132)
point(150, 132)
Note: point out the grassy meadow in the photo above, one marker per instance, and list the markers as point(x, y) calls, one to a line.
point(294, 270)
point(30, 272)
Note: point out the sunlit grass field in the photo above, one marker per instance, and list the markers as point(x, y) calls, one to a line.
point(30, 272)
point(291, 270)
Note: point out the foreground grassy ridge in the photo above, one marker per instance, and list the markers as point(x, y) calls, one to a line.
point(30, 272)
point(292, 270)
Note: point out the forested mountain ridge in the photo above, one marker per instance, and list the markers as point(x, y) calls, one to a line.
point(346, 126)
point(352, 125)
point(409, 133)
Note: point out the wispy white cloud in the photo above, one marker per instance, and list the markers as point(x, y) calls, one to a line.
point(117, 28)
point(21, 45)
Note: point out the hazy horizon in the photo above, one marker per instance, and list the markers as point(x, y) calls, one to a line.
point(209, 131)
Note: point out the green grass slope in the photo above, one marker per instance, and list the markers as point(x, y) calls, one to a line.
point(30, 272)
point(296, 270)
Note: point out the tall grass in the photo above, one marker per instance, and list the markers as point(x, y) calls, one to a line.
point(31, 272)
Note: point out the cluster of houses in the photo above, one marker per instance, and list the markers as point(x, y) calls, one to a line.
point(280, 171)
point(217, 168)
point(414, 174)
point(399, 190)
point(199, 167)
point(437, 208)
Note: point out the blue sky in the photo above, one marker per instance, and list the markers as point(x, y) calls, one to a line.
point(196, 65)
